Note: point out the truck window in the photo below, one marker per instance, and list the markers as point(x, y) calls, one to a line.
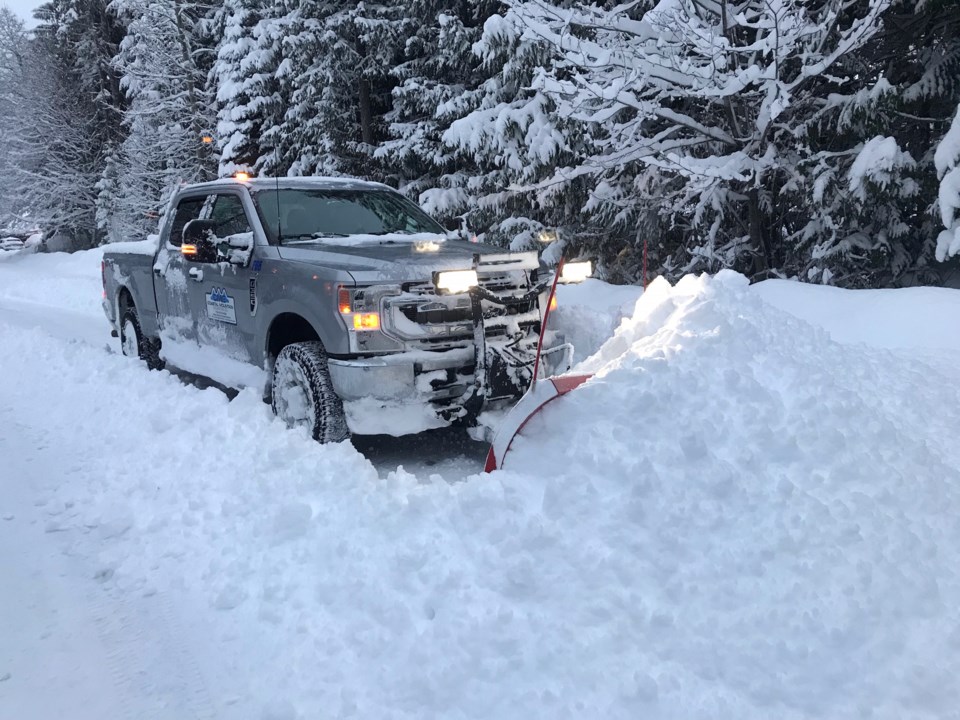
point(230, 216)
point(315, 213)
point(187, 209)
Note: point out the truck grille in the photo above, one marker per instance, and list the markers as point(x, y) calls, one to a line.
point(420, 315)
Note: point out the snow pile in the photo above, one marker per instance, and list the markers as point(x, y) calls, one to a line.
point(587, 313)
point(918, 318)
point(65, 281)
point(746, 519)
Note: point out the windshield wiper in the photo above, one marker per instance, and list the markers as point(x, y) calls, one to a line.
point(305, 238)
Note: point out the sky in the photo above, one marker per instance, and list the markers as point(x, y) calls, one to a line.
point(24, 8)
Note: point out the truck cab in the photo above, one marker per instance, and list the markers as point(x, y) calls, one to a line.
point(345, 304)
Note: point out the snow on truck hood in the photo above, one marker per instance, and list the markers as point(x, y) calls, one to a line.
point(389, 260)
point(422, 242)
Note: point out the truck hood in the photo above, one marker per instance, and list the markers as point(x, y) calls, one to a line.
point(393, 262)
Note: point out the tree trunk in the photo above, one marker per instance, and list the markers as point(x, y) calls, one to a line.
point(366, 113)
point(758, 238)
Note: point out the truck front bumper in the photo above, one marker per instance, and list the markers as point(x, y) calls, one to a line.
point(394, 377)
point(420, 390)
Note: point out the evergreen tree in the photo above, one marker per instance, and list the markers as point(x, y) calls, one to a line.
point(253, 84)
point(165, 60)
point(13, 54)
point(70, 111)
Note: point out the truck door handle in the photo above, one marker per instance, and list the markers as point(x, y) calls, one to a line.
point(158, 271)
point(196, 274)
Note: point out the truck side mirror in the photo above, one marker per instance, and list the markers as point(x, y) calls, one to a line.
point(199, 241)
point(454, 224)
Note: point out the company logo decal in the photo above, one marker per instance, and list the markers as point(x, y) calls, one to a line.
point(220, 306)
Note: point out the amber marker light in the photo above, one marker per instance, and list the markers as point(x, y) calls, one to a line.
point(207, 139)
point(241, 176)
point(188, 249)
point(343, 301)
point(553, 303)
point(366, 321)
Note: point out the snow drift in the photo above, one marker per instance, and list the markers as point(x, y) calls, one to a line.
point(767, 517)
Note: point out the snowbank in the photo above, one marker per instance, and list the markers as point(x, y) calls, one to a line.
point(768, 518)
point(587, 313)
point(64, 281)
point(906, 318)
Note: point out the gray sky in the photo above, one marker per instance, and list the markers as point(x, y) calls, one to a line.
point(24, 8)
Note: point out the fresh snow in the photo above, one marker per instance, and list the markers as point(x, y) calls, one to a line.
point(917, 318)
point(748, 512)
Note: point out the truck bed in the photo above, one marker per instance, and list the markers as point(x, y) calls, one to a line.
point(130, 265)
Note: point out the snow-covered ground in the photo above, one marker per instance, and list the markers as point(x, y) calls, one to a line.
point(749, 512)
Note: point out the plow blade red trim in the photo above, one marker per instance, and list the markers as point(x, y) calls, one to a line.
point(539, 395)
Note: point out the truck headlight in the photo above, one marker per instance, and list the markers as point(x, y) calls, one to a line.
point(455, 281)
point(574, 272)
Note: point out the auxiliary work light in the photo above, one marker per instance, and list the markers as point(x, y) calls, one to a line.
point(455, 281)
point(574, 272)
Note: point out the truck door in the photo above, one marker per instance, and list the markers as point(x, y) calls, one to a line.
point(224, 294)
point(172, 276)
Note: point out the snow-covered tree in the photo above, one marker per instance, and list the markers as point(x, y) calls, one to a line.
point(436, 69)
point(702, 117)
point(340, 55)
point(13, 54)
point(470, 115)
point(948, 170)
point(70, 109)
point(253, 84)
point(165, 59)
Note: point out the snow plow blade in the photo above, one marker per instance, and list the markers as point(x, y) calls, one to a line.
point(536, 398)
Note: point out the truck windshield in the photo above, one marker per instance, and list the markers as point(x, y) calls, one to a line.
point(293, 216)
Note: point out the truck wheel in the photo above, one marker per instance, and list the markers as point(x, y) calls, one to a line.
point(134, 344)
point(302, 394)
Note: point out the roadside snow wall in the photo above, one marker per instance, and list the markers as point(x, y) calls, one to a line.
point(744, 519)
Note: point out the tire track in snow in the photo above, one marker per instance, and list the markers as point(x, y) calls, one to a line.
point(149, 658)
point(118, 636)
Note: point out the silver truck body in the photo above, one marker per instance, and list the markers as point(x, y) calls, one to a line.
point(447, 356)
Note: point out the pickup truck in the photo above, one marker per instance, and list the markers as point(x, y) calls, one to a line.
point(345, 304)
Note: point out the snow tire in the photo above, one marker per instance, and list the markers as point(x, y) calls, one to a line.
point(302, 392)
point(146, 348)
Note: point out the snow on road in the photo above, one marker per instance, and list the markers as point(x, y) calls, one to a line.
point(738, 517)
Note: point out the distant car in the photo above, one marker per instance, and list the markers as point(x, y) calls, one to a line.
point(14, 240)
point(11, 243)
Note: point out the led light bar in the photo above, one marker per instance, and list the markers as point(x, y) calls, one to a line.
point(574, 272)
point(455, 281)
